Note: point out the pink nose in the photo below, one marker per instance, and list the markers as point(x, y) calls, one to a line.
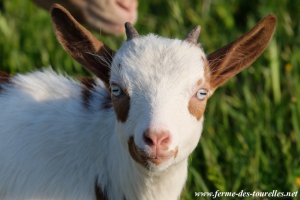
point(157, 139)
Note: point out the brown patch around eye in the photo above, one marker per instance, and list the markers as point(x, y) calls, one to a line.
point(196, 106)
point(121, 105)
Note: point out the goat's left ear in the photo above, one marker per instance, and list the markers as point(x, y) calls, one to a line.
point(81, 44)
point(229, 60)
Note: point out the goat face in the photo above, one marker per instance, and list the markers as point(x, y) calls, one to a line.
point(158, 81)
point(159, 87)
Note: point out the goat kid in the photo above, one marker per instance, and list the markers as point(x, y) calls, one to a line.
point(125, 135)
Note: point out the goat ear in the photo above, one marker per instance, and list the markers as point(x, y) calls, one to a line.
point(229, 60)
point(81, 44)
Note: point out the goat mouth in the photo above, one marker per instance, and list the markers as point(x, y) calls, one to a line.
point(143, 158)
point(157, 160)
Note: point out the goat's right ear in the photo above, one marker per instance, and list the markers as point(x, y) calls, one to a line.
point(81, 44)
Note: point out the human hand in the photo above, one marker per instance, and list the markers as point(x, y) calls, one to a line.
point(110, 15)
point(102, 15)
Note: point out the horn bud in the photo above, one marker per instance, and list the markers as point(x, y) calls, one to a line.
point(193, 36)
point(130, 31)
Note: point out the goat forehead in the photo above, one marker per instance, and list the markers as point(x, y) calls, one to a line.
point(150, 61)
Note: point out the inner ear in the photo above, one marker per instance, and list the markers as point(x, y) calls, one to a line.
point(229, 60)
point(81, 44)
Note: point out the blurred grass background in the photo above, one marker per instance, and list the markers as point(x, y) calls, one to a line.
point(251, 137)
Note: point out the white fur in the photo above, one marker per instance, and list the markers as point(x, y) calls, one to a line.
point(52, 147)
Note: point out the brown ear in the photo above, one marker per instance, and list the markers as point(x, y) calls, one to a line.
point(81, 44)
point(229, 60)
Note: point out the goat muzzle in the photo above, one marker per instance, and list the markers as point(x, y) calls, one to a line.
point(145, 158)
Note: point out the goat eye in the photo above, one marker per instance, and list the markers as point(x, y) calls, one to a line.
point(201, 94)
point(116, 90)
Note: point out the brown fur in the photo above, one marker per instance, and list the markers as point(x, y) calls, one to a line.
point(88, 85)
point(229, 60)
point(121, 106)
point(197, 107)
point(136, 153)
point(4, 79)
point(100, 195)
point(81, 44)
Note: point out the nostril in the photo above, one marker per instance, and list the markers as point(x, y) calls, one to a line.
point(157, 138)
point(148, 140)
point(165, 139)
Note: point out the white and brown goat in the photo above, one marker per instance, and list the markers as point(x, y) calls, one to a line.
point(125, 135)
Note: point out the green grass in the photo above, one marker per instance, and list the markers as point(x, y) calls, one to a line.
point(251, 137)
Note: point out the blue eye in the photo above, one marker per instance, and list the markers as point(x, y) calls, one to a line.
point(201, 94)
point(116, 90)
